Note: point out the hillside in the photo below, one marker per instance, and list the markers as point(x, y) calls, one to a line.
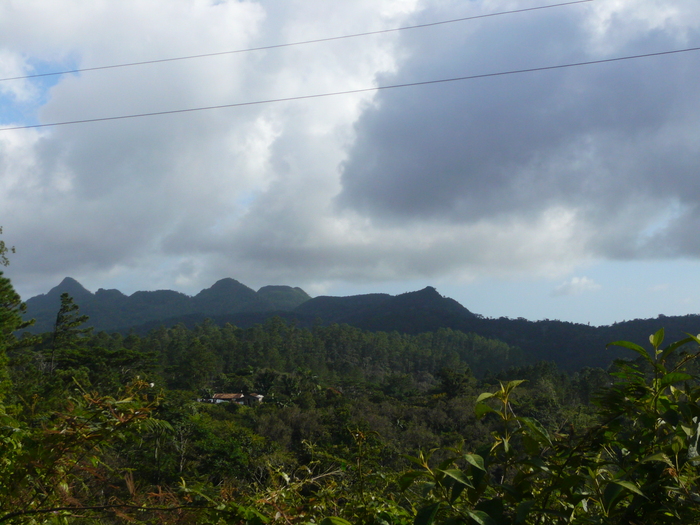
point(572, 346)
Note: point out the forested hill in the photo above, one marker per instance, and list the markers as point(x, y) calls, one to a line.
point(112, 310)
point(572, 346)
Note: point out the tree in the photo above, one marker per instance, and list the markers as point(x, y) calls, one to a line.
point(197, 368)
point(67, 337)
point(4, 261)
point(60, 470)
point(453, 382)
point(11, 310)
point(638, 465)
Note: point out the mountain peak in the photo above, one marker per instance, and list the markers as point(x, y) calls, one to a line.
point(430, 298)
point(226, 283)
point(226, 286)
point(228, 295)
point(71, 287)
point(428, 293)
point(283, 297)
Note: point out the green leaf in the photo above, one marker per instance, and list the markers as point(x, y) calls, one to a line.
point(506, 445)
point(485, 395)
point(445, 463)
point(418, 461)
point(537, 463)
point(671, 417)
point(523, 510)
point(673, 346)
point(641, 351)
point(512, 491)
point(673, 377)
point(459, 476)
point(513, 384)
point(657, 339)
point(611, 495)
point(255, 518)
point(630, 486)
point(333, 520)
point(408, 478)
point(569, 482)
point(426, 515)
point(531, 445)
point(663, 458)
point(481, 409)
point(475, 460)
point(480, 517)
point(535, 429)
point(677, 444)
point(692, 337)
point(426, 488)
point(456, 492)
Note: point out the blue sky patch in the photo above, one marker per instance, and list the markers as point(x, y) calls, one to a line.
point(25, 112)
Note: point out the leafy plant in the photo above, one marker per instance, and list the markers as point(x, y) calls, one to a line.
point(639, 465)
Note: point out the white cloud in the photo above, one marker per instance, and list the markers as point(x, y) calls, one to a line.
point(576, 286)
point(523, 175)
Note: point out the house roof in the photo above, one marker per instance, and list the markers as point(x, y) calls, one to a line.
point(228, 396)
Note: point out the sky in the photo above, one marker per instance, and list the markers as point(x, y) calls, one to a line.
point(567, 193)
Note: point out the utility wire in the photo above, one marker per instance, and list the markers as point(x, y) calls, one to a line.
point(277, 46)
point(361, 90)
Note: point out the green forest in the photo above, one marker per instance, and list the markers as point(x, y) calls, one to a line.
point(354, 427)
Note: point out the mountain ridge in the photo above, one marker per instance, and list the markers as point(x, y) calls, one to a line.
point(571, 345)
point(111, 310)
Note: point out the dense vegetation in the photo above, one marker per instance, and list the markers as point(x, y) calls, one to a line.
point(355, 426)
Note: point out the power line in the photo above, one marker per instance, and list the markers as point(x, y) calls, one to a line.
point(277, 46)
point(361, 90)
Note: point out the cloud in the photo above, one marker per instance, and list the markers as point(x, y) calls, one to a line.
point(169, 197)
point(576, 286)
point(603, 140)
point(528, 174)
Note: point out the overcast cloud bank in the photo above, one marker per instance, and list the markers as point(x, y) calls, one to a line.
point(534, 174)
